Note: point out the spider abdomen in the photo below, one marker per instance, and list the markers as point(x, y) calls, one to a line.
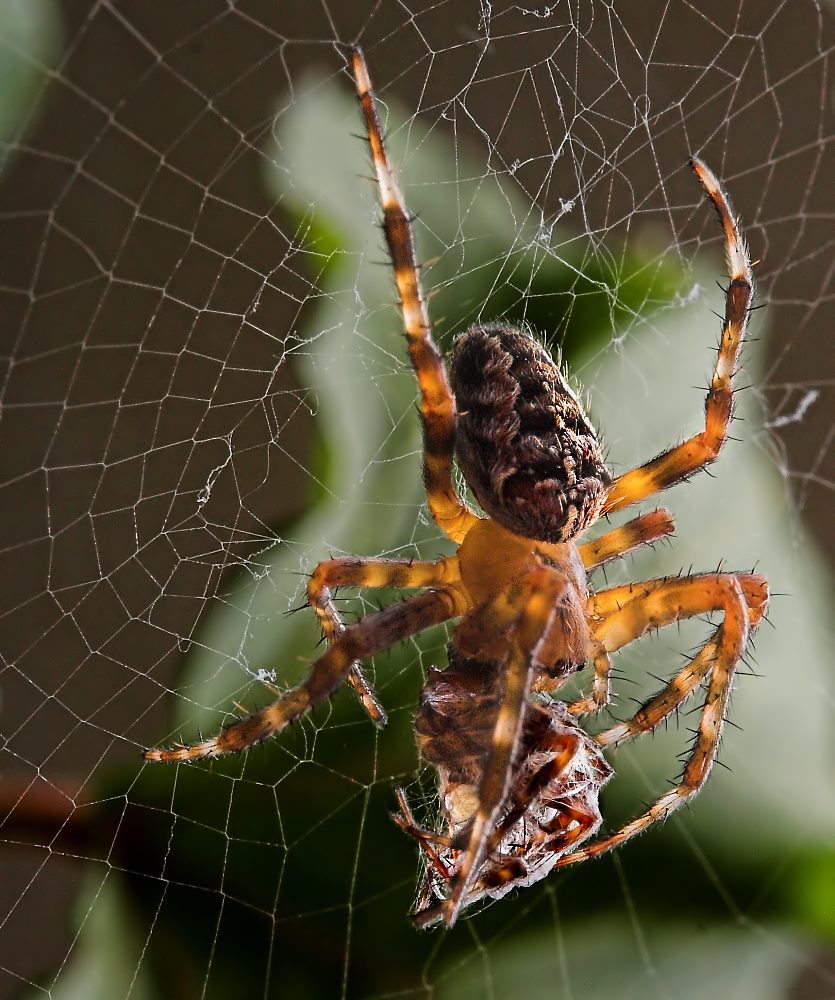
point(524, 443)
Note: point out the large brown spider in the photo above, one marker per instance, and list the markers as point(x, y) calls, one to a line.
point(519, 779)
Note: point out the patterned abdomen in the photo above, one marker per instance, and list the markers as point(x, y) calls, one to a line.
point(524, 443)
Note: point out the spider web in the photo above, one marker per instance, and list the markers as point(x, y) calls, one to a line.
point(205, 392)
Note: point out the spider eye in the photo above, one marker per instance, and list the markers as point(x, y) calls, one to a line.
point(526, 447)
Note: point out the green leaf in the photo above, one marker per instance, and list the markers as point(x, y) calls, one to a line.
point(30, 38)
point(605, 958)
point(106, 960)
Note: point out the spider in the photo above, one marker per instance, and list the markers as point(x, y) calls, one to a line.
point(519, 779)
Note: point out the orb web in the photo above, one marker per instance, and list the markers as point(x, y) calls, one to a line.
point(205, 391)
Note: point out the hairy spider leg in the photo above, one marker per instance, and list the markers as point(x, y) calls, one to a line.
point(643, 530)
point(661, 705)
point(600, 690)
point(437, 404)
point(536, 597)
point(358, 572)
point(372, 634)
point(682, 461)
point(614, 599)
point(662, 603)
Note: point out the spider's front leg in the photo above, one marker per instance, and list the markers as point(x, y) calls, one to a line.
point(701, 449)
point(356, 572)
point(369, 636)
point(628, 612)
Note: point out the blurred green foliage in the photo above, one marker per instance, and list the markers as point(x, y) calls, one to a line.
point(29, 42)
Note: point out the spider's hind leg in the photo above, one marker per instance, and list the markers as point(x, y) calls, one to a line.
point(698, 451)
point(437, 405)
point(685, 682)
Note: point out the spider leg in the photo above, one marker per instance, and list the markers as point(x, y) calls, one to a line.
point(538, 596)
point(661, 705)
point(356, 572)
point(437, 404)
point(369, 636)
point(600, 693)
point(661, 603)
point(560, 836)
point(618, 542)
point(685, 459)
point(627, 599)
point(425, 838)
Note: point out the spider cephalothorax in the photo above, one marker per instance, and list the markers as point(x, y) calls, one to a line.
point(527, 450)
point(518, 777)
